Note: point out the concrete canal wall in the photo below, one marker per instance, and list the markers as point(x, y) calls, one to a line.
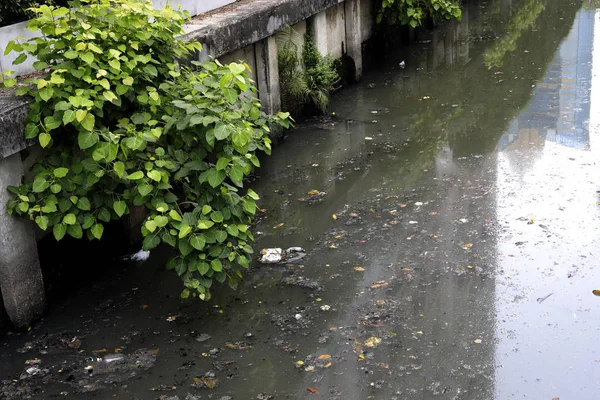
point(243, 31)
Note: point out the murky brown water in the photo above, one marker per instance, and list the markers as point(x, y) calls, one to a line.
point(460, 263)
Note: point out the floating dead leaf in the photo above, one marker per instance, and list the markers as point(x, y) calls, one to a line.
point(596, 292)
point(384, 366)
point(433, 213)
point(315, 165)
point(299, 362)
point(361, 356)
point(324, 357)
point(155, 352)
point(238, 346)
point(380, 302)
point(334, 216)
point(327, 365)
point(313, 192)
point(333, 246)
point(403, 205)
point(360, 269)
point(467, 246)
point(333, 329)
point(279, 225)
point(407, 269)
point(207, 382)
point(339, 236)
point(372, 342)
point(477, 341)
point(379, 284)
point(144, 306)
point(171, 318)
point(412, 357)
point(313, 390)
point(99, 351)
point(556, 398)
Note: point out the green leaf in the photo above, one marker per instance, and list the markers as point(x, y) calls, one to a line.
point(97, 231)
point(94, 48)
point(31, 130)
point(222, 163)
point(79, 114)
point(84, 204)
point(236, 68)
point(110, 96)
point(42, 222)
point(68, 117)
point(144, 189)
point(135, 176)
point(59, 231)
point(150, 242)
point(88, 122)
point(120, 207)
point(252, 194)
point(44, 139)
point(40, 184)
point(216, 265)
point(231, 95)
point(71, 54)
point(184, 247)
point(60, 172)
point(217, 216)
point(150, 225)
point(175, 216)
point(75, 231)
point(221, 236)
point(215, 178)
point(161, 221)
point(51, 123)
point(69, 219)
point(198, 242)
point(88, 221)
point(154, 175)
point(168, 239)
point(240, 138)
point(206, 209)
point(184, 230)
point(128, 81)
point(87, 139)
point(119, 169)
point(222, 131)
point(205, 224)
point(23, 206)
point(88, 58)
point(104, 214)
point(233, 230)
point(20, 59)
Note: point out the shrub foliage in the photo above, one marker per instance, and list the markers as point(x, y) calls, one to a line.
point(122, 124)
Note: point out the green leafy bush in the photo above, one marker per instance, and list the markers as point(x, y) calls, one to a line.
point(412, 12)
point(122, 124)
point(306, 76)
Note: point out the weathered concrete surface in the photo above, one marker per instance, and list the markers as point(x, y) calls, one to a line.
point(267, 74)
point(13, 111)
point(20, 274)
point(250, 22)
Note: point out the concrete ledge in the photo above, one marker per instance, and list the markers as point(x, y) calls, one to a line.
point(13, 112)
point(250, 21)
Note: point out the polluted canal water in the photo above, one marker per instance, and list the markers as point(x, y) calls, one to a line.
point(450, 215)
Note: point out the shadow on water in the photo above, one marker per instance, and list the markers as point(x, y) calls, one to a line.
point(397, 297)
